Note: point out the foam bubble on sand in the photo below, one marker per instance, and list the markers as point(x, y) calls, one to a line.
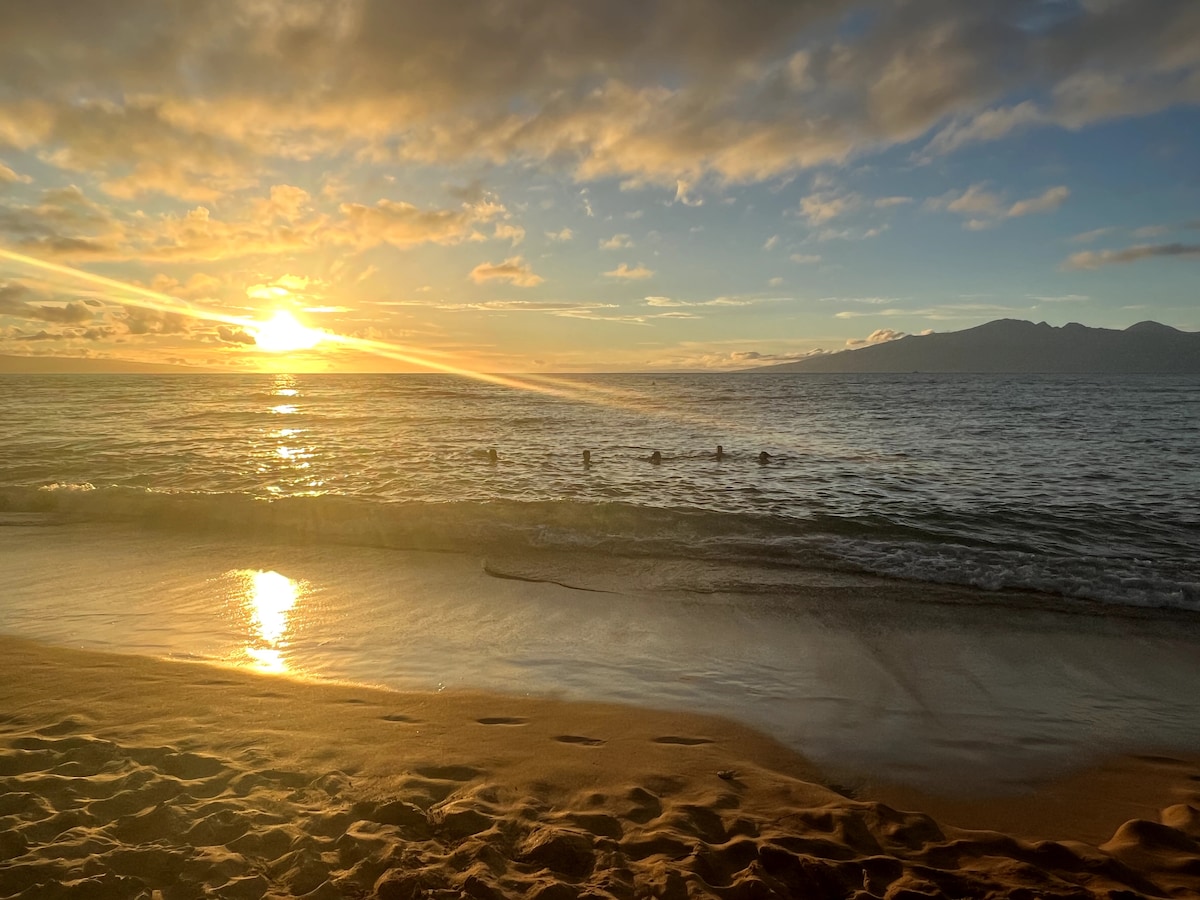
point(127, 777)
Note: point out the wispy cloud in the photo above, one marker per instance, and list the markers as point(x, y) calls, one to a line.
point(985, 208)
point(1095, 234)
point(8, 176)
point(1061, 298)
point(821, 207)
point(506, 231)
point(716, 301)
point(513, 270)
point(947, 311)
point(1094, 259)
point(617, 242)
point(624, 271)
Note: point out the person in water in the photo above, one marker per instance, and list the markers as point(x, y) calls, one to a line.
point(493, 457)
point(764, 458)
point(720, 453)
point(587, 458)
point(655, 458)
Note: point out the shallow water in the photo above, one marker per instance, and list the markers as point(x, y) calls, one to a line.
point(869, 679)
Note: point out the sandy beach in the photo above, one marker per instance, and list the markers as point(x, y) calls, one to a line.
point(125, 776)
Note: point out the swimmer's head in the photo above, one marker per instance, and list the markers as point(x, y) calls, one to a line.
point(656, 457)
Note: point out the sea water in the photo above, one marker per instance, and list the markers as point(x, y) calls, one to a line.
point(1080, 487)
point(927, 574)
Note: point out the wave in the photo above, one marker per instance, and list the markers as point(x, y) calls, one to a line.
point(506, 528)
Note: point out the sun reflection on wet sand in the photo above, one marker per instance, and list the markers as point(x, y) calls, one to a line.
point(269, 599)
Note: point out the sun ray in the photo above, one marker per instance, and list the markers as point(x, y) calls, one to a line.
point(289, 330)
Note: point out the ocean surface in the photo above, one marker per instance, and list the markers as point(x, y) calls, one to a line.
point(1085, 488)
point(940, 578)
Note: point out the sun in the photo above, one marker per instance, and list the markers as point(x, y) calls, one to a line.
point(283, 333)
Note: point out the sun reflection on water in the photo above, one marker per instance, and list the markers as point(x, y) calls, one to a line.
point(268, 600)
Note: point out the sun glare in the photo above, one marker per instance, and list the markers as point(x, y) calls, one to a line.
point(283, 333)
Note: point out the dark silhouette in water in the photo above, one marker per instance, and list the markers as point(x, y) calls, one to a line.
point(655, 458)
point(764, 458)
point(493, 457)
point(587, 458)
point(720, 453)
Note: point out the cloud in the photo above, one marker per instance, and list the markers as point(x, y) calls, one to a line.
point(230, 335)
point(888, 202)
point(825, 206)
point(188, 101)
point(513, 270)
point(716, 301)
point(945, 311)
point(975, 200)
point(1048, 200)
point(139, 321)
point(1092, 259)
point(623, 271)
point(560, 236)
point(714, 357)
point(986, 125)
point(553, 308)
point(805, 258)
point(878, 336)
point(67, 224)
point(985, 208)
point(1088, 236)
point(617, 242)
point(20, 301)
point(8, 176)
point(508, 232)
point(771, 243)
point(684, 193)
point(200, 286)
point(1062, 298)
point(404, 225)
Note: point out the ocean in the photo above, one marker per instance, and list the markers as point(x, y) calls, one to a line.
point(139, 509)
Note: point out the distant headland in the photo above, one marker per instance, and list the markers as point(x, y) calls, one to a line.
point(1018, 347)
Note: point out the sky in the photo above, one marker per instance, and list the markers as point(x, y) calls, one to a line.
point(550, 186)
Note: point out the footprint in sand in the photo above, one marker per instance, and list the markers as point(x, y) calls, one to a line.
point(502, 720)
point(684, 741)
point(580, 740)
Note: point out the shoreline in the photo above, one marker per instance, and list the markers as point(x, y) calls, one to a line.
point(126, 774)
point(878, 682)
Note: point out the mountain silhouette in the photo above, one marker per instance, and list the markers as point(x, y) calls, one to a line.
point(1015, 346)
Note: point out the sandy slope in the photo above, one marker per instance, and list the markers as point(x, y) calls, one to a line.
point(126, 777)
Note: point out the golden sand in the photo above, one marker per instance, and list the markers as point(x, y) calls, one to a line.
point(129, 777)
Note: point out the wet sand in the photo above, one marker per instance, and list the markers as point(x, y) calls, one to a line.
point(124, 776)
point(949, 690)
